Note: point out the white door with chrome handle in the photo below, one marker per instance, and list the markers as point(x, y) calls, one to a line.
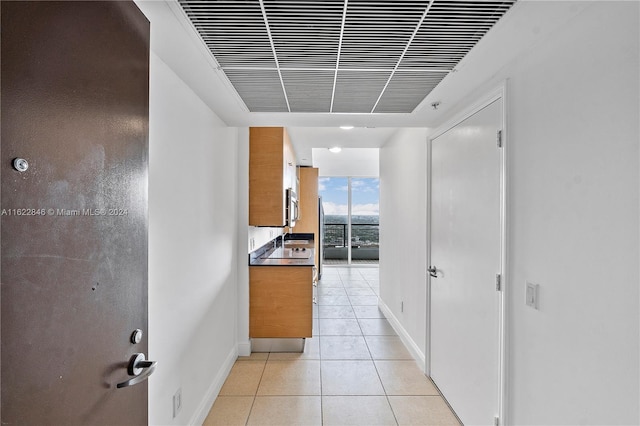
point(465, 257)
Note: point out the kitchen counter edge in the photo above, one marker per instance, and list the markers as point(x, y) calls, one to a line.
point(283, 262)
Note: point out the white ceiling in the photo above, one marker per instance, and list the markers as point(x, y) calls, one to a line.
point(307, 138)
point(180, 46)
point(354, 162)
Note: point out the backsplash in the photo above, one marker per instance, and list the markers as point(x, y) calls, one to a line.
point(259, 236)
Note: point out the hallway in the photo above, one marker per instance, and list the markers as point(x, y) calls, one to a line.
point(354, 371)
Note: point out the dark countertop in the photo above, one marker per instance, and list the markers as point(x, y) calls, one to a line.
point(259, 261)
point(272, 254)
point(299, 240)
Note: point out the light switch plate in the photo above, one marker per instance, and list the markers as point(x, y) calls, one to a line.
point(532, 295)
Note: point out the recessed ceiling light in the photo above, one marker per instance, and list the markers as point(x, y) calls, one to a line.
point(335, 149)
point(346, 127)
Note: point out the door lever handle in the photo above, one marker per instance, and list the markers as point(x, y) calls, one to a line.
point(433, 272)
point(140, 368)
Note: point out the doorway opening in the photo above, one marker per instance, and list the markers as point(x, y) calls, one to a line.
point(351, 220)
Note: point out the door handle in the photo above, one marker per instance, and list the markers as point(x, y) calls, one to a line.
point(433, 272)
point(139, 368)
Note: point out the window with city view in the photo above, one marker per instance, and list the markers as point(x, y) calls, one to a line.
point(365, 235)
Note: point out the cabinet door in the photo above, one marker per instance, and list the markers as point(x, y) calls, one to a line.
point(267, 176)
point(309, 217)
point(308, 197)
point(291, 177)
point(280, 301)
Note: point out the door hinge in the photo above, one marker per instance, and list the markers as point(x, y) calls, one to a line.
point(496, 421)
point(499, 138)
point(498, 282)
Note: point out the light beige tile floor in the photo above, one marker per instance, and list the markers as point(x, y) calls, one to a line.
point(354, 371)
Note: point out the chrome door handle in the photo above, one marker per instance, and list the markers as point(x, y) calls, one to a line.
point(139, 368)
point(433, 272)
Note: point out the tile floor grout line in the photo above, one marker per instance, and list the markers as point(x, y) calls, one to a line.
point(321, 390)
point(258, 387)
point(376, 368)
point(322, 359)
point(386, 395)
point(367, 311)
point(365, 342)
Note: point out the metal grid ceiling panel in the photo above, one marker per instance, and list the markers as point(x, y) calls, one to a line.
point(358, 91)
point(234, 31)
point(357, 56)
point(305, 34)
point(308, 90)
point(260, 90)
point(376, 33)
point(450, 30)
point(406, 90)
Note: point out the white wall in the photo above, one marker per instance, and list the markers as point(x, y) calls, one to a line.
point(193, 223)
point(192, 248)
point(403, 234)
point(573, 154)
point(245, 233)
point(573, 201)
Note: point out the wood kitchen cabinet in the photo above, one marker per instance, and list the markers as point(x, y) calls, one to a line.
point(309, 214)
point(280, 301)
point(272, 170)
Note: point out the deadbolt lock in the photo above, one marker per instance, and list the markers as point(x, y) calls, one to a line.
point(136, 336)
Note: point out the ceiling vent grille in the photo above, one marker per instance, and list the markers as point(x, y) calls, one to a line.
point(355, 56)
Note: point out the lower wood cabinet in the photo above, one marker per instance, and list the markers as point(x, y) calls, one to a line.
point(280, 301)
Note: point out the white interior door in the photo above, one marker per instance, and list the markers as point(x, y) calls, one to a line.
point(466, 252)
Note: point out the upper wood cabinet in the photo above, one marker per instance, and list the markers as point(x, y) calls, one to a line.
point(308, 222)
point(308, 197)
point(272, 170)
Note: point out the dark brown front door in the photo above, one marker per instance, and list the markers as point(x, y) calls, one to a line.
point(74, 86)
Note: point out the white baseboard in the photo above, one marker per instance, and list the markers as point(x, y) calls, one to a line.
point(244, 348)
point(411, 345)
point(210, 396)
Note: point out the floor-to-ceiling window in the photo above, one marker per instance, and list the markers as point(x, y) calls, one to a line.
point(351, 219)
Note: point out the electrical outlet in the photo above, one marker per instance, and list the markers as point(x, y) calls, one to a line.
point(532, 295)
point(177, 402)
